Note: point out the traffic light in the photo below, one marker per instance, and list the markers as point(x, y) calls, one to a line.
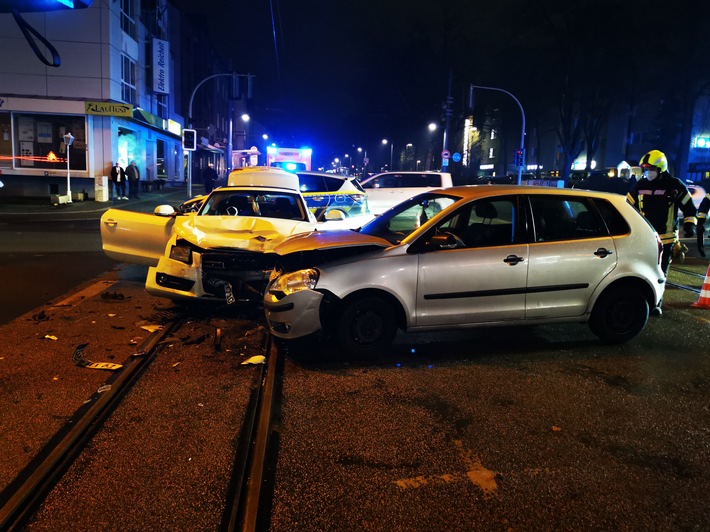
point(189, 139)
point(519, 159)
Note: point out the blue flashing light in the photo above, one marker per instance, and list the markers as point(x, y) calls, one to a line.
point(291, 167)
point(68, 3)
point(702, 142)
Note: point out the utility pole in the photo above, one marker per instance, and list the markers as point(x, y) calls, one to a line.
point(447, 117)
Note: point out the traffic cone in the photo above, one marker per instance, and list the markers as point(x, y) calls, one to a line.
point(704, 299)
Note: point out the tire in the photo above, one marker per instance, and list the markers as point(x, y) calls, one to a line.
point(366, 326)
point(619, 314)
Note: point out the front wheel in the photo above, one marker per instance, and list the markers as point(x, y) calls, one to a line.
point(366, 326)
point(619, 315)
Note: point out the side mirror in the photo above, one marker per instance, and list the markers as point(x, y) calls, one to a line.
point(164, 210)
point(443, 241)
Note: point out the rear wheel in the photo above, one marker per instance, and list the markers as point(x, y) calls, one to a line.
point(366, 326)
point(619, 314)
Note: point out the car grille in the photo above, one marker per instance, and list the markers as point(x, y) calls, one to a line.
point(236, 261)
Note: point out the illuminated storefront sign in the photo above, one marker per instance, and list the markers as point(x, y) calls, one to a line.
point(109, 109)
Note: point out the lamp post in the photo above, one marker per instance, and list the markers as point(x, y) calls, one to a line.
point(68, 140)
point(385, 141)
point(522, 134)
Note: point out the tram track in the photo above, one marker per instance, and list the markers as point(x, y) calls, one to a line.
point(682, 286)
point(244, 507)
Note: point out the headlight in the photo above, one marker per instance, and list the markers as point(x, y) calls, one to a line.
point(181, 253)
point(292, 282)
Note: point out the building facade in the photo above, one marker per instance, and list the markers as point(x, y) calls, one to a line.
point(118, 91)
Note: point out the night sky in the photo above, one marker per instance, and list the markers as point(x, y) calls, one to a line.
point(336, 75)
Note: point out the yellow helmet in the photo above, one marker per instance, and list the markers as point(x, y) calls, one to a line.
point(654, 158)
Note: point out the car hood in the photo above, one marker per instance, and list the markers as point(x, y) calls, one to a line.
point(254, 234)
point(321, 240)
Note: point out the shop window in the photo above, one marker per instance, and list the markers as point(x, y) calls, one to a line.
point(39, 141)
point(161, 147)
point(5, 141)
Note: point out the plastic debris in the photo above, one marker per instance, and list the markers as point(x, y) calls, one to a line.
point(80, 360)
point(104, 388)
point(257, 359)
point(50, 337)
point(152, 328)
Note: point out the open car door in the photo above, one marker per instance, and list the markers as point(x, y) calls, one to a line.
point(135, 237)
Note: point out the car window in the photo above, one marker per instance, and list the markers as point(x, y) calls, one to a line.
point(487, 222)
point(311, 183)
point(615, 222)
point(564, 218)
point(407, 217)
point(254, 203)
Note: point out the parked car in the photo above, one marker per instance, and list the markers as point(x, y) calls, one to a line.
point(222, 251)
point(328, 196)
point(468, 257)
point(387, 189)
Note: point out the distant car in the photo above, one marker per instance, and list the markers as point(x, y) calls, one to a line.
point(222, 251)
point(469, 257)
point(387, 189)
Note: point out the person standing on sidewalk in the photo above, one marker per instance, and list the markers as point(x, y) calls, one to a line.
point(118, 177)
point(134, 177)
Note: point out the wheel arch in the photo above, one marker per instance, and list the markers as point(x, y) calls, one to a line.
point(331, 310)
point(636, 283)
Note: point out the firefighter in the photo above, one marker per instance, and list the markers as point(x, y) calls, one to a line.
point(703, 209)
point(658, 196)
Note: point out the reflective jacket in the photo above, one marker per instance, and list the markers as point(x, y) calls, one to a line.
point(659, 201)
point(703, 209)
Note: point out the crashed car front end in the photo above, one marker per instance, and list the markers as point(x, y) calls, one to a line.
point(223, 260)
point(227, 275)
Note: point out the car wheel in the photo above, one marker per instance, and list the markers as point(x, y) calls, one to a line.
point(366, 326)
point(619, 315)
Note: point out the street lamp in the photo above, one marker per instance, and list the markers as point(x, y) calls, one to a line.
point(68, 140)
point(385, 141)
point(522, 134)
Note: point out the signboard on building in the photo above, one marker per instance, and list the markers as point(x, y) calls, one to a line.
point(108, 109)
point(161, 66)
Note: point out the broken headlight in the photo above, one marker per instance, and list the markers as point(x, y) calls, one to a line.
point(289, 283)
point(182, 253)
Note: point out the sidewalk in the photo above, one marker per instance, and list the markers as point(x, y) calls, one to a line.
point(41, 209)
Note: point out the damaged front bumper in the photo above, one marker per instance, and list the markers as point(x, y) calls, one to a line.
point(295, 315)
point(175, 280)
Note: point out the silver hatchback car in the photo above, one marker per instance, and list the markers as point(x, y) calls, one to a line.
point(467, 257)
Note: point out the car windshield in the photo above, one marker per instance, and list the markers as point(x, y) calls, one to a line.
point(264, 204)
point(401, 220)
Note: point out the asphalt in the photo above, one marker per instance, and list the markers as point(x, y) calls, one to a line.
point(42, 209)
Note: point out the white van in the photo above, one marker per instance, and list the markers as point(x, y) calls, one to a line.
point(387, 189)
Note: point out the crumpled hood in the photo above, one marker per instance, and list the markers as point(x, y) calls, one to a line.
point(321, 240)
point(238, 232)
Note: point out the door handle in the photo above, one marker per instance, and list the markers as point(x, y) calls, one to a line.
point(603, 253)
point(111, 222)
point(512, 260)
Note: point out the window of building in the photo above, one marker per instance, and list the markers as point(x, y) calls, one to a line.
point(5, 141)
point(493, 134)
point(162, 105)
point(128, 80)
point(128, 20)
point(490, 153)
point(39, 141)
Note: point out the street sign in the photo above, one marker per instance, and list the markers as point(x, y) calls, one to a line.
point(445, 154)
point(456, 157)
point(444, 162)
